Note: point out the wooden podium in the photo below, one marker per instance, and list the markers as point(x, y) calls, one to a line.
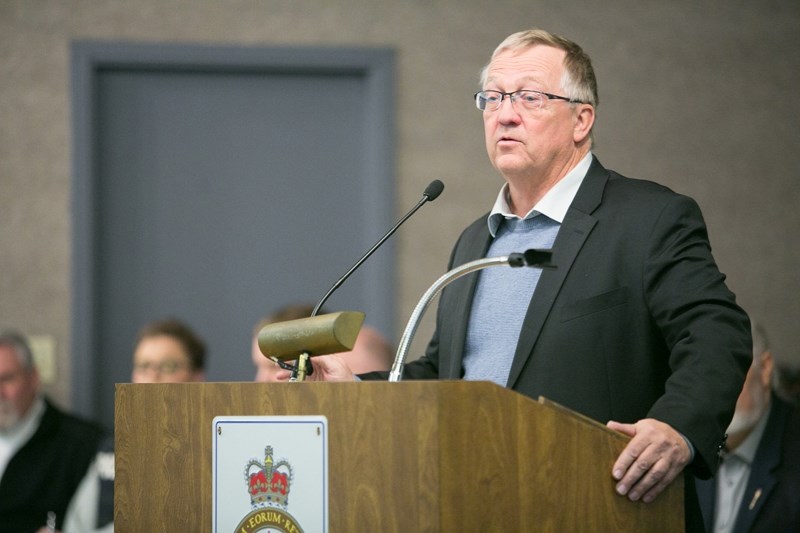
point(412, 456)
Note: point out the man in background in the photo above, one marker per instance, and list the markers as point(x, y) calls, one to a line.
point(371, 352)
point(44, 452)
point(786, 382)
point(757, 486)
point(166, 351)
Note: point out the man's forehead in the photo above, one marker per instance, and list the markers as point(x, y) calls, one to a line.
point(160, 345)
point(529, 64)
point(176, 356)
point(8, 357)
point(522, 78)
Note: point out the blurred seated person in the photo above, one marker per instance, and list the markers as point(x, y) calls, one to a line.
point(757, 486)
point(786, 382)
point(166, 351)
point(44, 451)
point(371, 351)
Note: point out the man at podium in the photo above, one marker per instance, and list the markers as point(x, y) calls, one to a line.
point(635, 326)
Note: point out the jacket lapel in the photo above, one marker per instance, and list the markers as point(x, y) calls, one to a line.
point(575, 229)
point(706, 496)
point(767, 459)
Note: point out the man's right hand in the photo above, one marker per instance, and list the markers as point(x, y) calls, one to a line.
point(326, 368)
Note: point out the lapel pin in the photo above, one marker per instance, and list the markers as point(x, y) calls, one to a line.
point(753, 502)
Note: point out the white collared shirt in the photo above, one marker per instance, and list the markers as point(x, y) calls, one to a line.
point(554, 204)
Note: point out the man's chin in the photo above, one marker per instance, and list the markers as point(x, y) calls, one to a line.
point(512, 167)
point(8, 421)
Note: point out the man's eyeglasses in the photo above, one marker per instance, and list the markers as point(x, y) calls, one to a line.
point(164, 367)
point(532, 100)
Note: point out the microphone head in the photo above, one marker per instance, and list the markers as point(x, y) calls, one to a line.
point(317, 335)
point(433, 190)
point(538, 258)
point(516, 260)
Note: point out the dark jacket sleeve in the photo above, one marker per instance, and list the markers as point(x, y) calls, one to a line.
point(707, 334)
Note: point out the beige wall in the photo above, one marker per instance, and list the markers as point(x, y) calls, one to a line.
point(701, 96)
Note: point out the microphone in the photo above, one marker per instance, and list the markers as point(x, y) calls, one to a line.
point(431, 193)
point(321, 335)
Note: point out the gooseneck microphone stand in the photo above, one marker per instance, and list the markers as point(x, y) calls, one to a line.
point(530, 258)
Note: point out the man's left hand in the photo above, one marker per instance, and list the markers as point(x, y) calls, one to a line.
point(654, 457)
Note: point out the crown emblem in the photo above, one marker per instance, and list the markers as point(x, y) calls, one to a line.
point(268, 482)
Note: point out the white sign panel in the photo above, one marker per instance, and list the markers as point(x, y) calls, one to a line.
point(270, 474)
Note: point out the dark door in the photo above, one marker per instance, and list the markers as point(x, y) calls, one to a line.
point(217, 184)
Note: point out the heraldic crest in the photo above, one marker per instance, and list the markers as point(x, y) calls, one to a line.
point(268, 482)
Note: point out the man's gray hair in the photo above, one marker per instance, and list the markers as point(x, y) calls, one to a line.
point(786, 382)
point(17, 342)
point(579, 81)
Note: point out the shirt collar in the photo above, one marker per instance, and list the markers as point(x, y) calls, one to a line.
point(554, 203)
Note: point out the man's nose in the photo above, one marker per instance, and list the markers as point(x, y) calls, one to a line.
point(508, 110)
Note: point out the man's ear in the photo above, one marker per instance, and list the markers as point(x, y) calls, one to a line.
point(584, 120)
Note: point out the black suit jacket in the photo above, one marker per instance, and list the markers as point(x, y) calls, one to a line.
point(771, 501)
point(635, 322)
point(45, 473)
